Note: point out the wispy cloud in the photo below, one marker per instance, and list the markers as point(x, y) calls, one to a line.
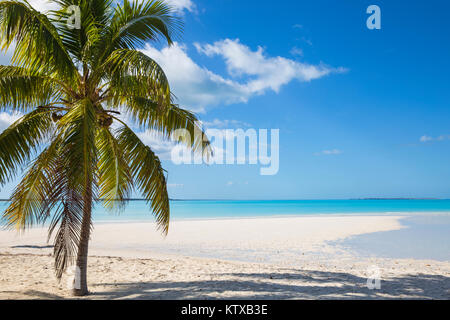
point(329, 152)
point(426, 138)
point(306, 40)
point(297, 52)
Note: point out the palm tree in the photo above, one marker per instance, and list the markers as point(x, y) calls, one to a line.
point(71, 84)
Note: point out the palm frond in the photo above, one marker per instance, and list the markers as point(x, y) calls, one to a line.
point(38, 45)
point(75, 181)
point(148, 175)
point(82, 42)
point(68, 216)
point(174, 122)
point(78, 146)
point(29, 203)
point(19, 142)
point(114, 176)
point(64, 79)
point(138, 22)
point(133, 71)
point(21, 90)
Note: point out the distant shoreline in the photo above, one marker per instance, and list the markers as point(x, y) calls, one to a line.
point(353, 199)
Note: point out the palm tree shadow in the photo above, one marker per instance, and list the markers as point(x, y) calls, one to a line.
point(309, 285)
point(34, 294)
point(32, 247)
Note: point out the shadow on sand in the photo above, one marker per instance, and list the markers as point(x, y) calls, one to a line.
point(31, 247)
point(309, 285)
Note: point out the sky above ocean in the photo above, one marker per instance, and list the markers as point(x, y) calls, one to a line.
point(361, 113)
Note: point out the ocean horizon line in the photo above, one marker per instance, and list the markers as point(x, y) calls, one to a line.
point(267, 200)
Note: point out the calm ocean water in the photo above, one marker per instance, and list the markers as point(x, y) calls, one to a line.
point(426, 232)
point(209, 209)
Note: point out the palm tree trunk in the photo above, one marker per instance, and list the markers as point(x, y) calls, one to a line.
point(80, 285)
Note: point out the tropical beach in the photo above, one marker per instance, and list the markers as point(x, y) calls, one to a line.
point(222, 150)
point(302, 257)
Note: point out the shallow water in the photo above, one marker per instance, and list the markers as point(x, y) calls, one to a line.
point(426, 232)
point(424, 237)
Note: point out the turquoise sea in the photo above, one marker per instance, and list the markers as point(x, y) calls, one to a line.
point(426, 232)
point(209, 209)
point(212, 209)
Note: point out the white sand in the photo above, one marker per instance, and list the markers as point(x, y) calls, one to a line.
point(278, 258)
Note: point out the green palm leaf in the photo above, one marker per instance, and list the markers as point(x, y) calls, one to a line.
point(69, 83)
point(147, 173)
point(115, 180)
point(21, 140)
point(133, 71)
point(138, 22)
point(21, 90)
point(30, 202)
point(38, 46)
point(173, 122)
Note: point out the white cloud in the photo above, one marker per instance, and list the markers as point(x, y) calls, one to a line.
point(267, 72)
point(195, 87)
point(42, 5)
point(7, 119)
point(426, 138)
point(329, 152)
point(181, 5)
point(250, 73)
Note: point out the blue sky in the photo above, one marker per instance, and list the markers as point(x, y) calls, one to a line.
point(361, 113)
